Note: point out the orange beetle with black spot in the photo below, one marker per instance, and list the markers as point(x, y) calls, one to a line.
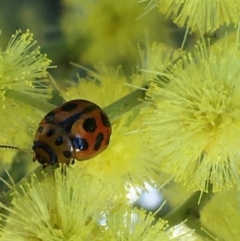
point(78, 129)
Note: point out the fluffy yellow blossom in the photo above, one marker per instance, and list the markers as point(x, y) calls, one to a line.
point(102, 31)
point(203, 15)
point(102, 81)
point(58, 208)
point(23, 72)
point(193, 124)
point(22, 66)
point(155, 58)
point(135, 225)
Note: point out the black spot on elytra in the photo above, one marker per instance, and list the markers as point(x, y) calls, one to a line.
point(98, 142)
point(80, 143)
point(69, 106)
point(50, 132)
point(40, 129)
point(90, 125)
point(59, 141)
point(50, 117)
point(105, 120)
point(67, 123)
point(67, 154)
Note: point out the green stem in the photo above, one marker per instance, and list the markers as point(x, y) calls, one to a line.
point(37, 103)
point(114, 110)
point(125, 104)
point(190, 211)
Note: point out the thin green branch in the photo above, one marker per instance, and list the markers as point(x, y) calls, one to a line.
point(37, 103)
point(114, 111)
point(125, 104)
point(190, 211)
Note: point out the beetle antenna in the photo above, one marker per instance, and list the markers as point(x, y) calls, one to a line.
point(10, 147)
point(14, 148)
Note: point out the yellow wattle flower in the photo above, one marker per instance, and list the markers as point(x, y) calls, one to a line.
point(58, 208)
point(126, 223)
point(193, 124)
point(203, 15)
point(23, 71)
point(102, 81)
point(23, 67)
